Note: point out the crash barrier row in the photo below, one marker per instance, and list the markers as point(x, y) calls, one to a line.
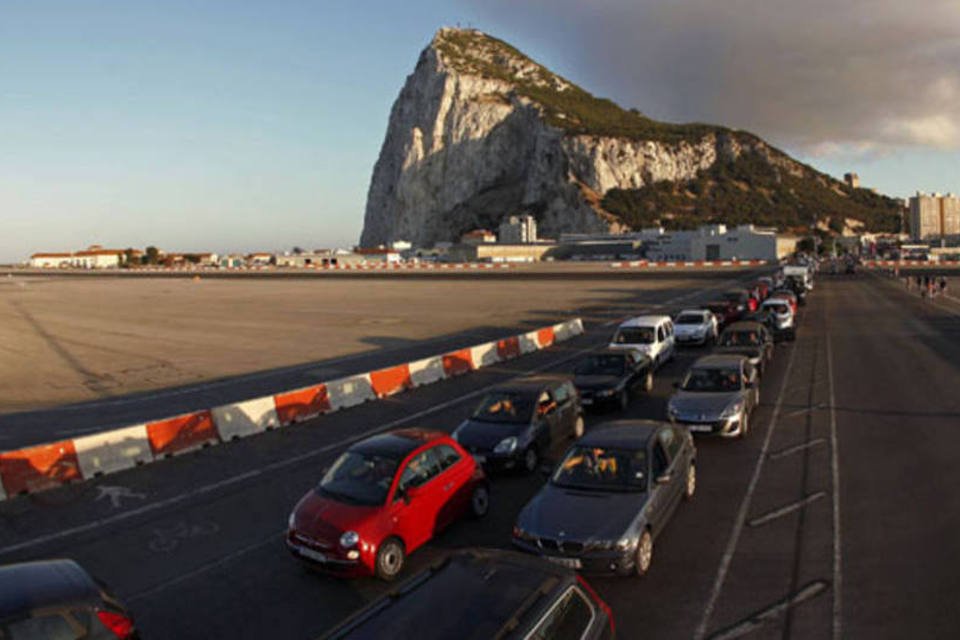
point(358, 266)
point(908, 263)
point(53, 464)
point(640, 264)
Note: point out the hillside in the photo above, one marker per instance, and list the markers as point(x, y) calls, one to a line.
point(480, 131)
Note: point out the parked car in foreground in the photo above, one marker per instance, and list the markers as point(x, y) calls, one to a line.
point(610, 497)
point(717, 396)
point(384, 498)
point(696, 326)
point(610, 376)
point(58, 599)
point(653, 336)
point(484, 594)
point(518, 422)
point(748, 338)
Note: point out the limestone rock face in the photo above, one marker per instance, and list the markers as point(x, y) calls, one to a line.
point(479, 132)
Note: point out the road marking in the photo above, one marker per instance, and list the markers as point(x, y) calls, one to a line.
point(116, 494)
point(835, 468)
point(783, 453)
point(741, 518)
point(770, 516)
point(808, 592)
point(816, 407)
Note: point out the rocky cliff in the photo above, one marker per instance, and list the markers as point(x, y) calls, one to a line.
point(480, 131)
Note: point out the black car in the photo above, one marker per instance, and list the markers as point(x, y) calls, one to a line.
point(481, 594)
point(608, 377)
point(58, 599)
point(747, 338)
point(739, 299)
point(610, 497)
point(518, 422)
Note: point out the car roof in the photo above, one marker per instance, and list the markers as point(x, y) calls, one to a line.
point(719, 361)
point(471, 595)
point(397, 443)
point(697, 312)
point(644, 321)
point(744, 325)
point(532, 384)
point(620, 433)
point(44, 583)
point(774, 300)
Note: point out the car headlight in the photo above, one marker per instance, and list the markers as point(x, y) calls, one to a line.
point(520, 534)
point(606, 393)
point(733, 410)
point(624, 543)
point(349, 539)
point(507, 445)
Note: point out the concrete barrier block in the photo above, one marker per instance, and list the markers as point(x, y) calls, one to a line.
point(350, 391)
point(458, 362)
point(426, 371)
point(301, 404)
point(181, 433)
point(528, 342)
point(246, 418)
point(113, 451)
point(390, 381)
point(484, 355)
point(37, 468)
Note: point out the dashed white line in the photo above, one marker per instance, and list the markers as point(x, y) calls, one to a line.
point(772, 612)
point(783, 453)
point(770, 516)
point(835, 469)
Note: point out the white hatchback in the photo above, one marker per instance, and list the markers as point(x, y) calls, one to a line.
point(653, 336)
point(696, 326)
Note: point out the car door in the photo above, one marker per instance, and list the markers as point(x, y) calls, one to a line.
point(670, 338)
point(454, 479)
point(418, 498)
point(547, 419)
point(659, 347)
point(661, 493)
point(566, 409)
point(672, 445)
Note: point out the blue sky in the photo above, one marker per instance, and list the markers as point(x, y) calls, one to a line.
point(242, 125)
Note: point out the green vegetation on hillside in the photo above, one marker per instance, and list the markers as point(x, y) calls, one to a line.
point(569, 108)
point(751, 190)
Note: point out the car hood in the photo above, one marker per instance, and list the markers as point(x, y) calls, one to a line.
point(581, 516)
point(326, 519)
point(593, 383)
point(707, 404)
point(749, 351)
point(476, 434)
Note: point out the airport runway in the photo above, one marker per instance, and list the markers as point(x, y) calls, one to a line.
point(835, 518)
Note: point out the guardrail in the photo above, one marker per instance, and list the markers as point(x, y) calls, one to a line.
point(53, 464)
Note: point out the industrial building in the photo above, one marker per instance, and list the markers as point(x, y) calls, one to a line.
point(934, 216)
point(518, 230)
point(717, 242)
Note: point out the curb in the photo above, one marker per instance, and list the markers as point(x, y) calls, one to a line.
point(50, 465)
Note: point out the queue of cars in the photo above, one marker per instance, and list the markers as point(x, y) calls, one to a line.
point(602, 506)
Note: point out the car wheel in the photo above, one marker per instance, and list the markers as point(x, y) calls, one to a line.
point(390, 559)
point(480, 501)
point(648, 382)
point(624, 400)
point(578, 427)
point(691, 485)
point(644, 553)
point(530, 459)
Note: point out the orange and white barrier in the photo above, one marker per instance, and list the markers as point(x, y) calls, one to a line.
point(688, 264)
point(47, 466)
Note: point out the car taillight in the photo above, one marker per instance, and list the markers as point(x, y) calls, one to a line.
point(119, 624)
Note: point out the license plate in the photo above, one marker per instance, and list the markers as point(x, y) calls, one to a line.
point(570, 563)
point(313, 555)
point(480, 459)
point(700, 428)
point(586, 401)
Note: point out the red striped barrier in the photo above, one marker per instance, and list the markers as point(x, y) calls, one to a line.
point(44, 466)
point(294, 406)
point(181, 433)
point(387, 382)
point(457, 363)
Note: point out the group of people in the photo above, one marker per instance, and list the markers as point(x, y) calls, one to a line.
point(929, 286)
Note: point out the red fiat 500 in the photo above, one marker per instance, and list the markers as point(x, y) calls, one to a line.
point(382, 499)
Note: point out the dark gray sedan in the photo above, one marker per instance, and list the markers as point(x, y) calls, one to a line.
point(610, 497)
point(610, 376)
point(748, 338)
point(717, 396)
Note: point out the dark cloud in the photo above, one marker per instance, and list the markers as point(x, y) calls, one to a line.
point(822, 76)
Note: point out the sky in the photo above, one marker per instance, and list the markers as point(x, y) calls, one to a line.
point(241, 126)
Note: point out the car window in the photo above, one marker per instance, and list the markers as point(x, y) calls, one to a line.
point(567, 620)
point(53, 626)
point(669, 328)
point(635, 335)
point(661, 461)
point(668, 438)
point(421, 469)
point(562, 393)
point(661, 336)
point(446, 456)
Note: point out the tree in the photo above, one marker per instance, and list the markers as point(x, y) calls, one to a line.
point(153, 255)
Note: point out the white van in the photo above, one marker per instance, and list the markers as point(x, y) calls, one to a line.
point(653, 336)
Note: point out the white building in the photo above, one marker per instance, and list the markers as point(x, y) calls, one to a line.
point(518, 230)
point(92, 258)
point(717, 242)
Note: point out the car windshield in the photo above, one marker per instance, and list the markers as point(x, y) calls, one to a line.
point(359, 478)
point(776, 308)
point(740, 339)
point(505, 406)
point(635, 335)
point(690, 318)
point(712, 379)
point(602, 469)
point(601, 365)
point(733, 296)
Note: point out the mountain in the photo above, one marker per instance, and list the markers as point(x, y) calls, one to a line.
point(480, 131)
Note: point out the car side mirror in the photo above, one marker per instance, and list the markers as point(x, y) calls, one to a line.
point(664, 478)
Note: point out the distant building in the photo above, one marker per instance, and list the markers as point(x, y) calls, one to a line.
point(94, 257)
point(478, 236)
point(260, 259)
point(380, 254)
point(500, 252)
point(717, 242)
point(401, 245)
point(933, 217)
point(518, 230)
point(852, 180)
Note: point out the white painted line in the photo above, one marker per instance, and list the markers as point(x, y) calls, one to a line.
point(770, 516)
point(783, 453)
point(741, 518)
point(835, 468)
point(774, 611)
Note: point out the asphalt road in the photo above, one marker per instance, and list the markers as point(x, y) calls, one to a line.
point(834, 518)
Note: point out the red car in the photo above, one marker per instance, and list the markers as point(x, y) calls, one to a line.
point(762, 290)
point(382, 499)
